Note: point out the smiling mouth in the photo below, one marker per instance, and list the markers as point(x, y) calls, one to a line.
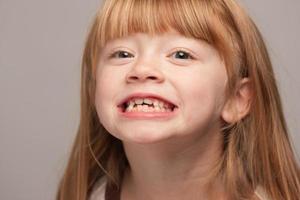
point(147, 105)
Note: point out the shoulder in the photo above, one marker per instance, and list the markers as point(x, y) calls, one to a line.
point(261, 194)
point(98, 192)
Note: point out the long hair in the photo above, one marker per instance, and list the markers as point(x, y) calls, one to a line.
point(257, 149)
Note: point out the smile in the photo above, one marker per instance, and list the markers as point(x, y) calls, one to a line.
point(147, 107)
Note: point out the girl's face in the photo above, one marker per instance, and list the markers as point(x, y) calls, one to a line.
point(184, 79)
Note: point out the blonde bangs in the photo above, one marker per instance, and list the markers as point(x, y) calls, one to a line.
point(190, 18)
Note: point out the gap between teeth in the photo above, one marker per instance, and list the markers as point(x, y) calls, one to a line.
point(146, 108)
point(152, 105)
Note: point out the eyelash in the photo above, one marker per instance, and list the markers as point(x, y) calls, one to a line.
point(186, 54)
point(115, 53)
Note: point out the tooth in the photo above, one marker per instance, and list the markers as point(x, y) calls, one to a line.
point(156, 108)
point(161, 104)
point(130, 107)
point(131, 103)
point(151, 109)
point(155, 103)
point(148, 101)
point(139, 107)
point(145, 108)
point(168, 106)
point(138, 101)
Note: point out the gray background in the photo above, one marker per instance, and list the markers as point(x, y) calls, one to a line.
point(40, 50)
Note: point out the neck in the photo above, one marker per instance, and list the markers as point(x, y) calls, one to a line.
point(174, 169)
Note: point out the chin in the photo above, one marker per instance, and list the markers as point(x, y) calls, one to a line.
point(145, 137)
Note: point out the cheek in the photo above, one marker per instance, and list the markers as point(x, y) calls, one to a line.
point(200, 100)
point(203, 95)
point(106, 81)
point(103, 89)
point(101, 93)
point(195, 88)
point(105, 92)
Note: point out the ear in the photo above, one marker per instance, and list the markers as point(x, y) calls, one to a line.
point(238, 106)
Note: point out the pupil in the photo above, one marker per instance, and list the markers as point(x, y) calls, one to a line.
point(123, 54)
point(182, 55)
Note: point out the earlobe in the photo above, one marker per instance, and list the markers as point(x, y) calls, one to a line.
point(238, 106)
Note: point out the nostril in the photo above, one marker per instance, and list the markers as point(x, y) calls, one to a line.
point(136, 78)
point(152, 77)
point(145, 74)
point(133, 77)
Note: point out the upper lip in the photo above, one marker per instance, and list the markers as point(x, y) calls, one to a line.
point(144, 95)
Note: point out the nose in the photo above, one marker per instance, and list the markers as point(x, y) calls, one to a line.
point(142, 72)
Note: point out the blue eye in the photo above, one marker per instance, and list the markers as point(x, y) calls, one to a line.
point(182, 55)
point(121, 54)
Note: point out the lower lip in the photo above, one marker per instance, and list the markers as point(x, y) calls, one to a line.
point(148, 115)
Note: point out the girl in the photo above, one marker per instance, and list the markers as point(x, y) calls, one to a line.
point(179, 101)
